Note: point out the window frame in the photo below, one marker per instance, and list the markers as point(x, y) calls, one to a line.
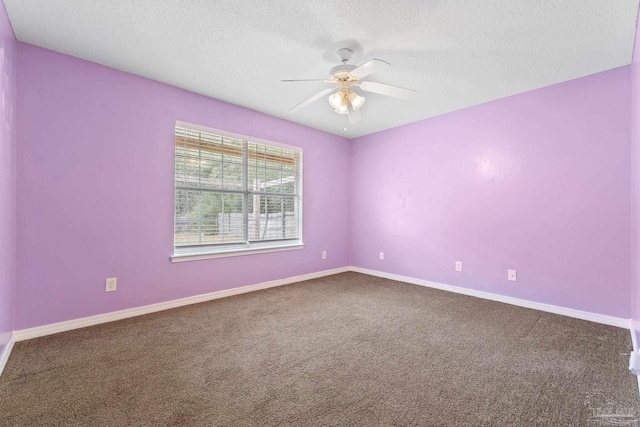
point(193, 253)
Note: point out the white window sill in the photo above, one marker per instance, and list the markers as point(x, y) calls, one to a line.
point(195, 256)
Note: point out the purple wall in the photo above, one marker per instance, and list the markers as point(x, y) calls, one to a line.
point(7, 177)
point(635, 178)
point(635, 182)
point(95, 192)
point(539, 182)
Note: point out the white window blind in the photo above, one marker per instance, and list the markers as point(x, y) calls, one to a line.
point(233, 193)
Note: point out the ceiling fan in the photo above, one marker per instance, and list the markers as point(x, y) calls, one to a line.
point(344, 78)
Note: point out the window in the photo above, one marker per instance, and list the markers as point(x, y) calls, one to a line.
point(234, 195)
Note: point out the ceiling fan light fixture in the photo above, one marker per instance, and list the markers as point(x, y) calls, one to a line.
point(337, 99)
point(356, 100)
point(345, 76)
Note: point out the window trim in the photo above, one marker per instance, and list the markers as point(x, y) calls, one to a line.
point(194, 256)
point(207, 252)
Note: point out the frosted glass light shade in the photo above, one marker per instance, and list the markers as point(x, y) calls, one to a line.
point(343, 109)
point(337, 99)
point(356, 100)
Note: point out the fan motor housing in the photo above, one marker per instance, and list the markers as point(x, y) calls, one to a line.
point(341, 73)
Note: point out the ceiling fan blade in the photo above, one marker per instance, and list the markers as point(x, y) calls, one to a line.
point(314, 98)
point(388, 90)
point(306, 80)
point(354, 116)
point(369, 67)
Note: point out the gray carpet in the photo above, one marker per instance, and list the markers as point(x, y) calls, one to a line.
point(345, 350)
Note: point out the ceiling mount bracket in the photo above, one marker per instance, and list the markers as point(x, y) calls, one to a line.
point(345, 54)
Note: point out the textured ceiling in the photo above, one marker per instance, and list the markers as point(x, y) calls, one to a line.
point(455, 53)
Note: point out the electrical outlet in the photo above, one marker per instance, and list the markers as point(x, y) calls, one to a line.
point(511, 275)
point(381, 255)
point(111, 284)
point(324, 254)
point(458, 265)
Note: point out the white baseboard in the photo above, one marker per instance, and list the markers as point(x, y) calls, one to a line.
point(569, 312)
point(39, 331)
point(4, 357)
point(54, 328)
